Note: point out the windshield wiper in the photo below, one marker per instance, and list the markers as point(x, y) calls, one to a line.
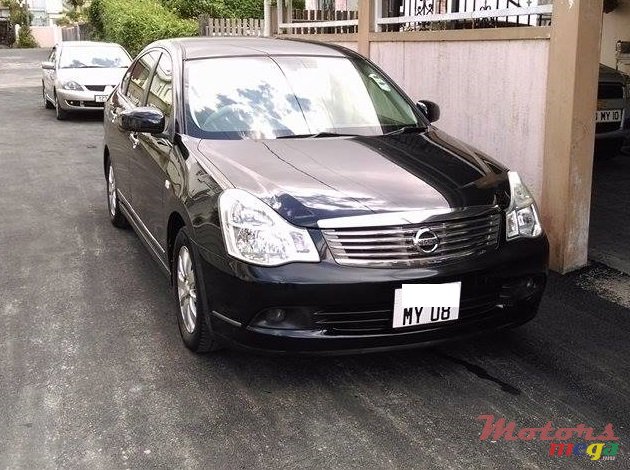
point(315, 136)
point(407, 130)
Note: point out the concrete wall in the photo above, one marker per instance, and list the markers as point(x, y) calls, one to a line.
point(615, 27)
point(350, 45)
point(46, 36)
point(492, 93)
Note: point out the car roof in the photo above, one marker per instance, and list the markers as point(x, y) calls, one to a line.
point(87, 44)
point(202, 48)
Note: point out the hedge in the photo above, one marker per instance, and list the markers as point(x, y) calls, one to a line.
point(222, 8)
point(137, 23)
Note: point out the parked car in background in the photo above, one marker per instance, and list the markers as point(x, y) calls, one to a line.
point(612, 126)
point(299, 201)
point(80, 75)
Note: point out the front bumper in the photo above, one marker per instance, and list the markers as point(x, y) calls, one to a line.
point(621, 133)
point(80, 100)
point(237, 296)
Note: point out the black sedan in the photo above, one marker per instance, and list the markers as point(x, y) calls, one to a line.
point(298, 200)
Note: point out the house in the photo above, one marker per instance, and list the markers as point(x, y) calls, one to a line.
point(45, 12)
point(6, 31)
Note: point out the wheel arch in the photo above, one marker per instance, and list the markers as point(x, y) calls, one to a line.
point(106, 160)
point(175, 223)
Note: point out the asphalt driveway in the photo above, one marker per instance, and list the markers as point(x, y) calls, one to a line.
point(609, 240)
point(94, 375)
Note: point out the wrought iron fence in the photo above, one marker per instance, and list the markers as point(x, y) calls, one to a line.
point(410, 15)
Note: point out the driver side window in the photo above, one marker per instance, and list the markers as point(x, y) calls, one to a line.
point(138, 80)
point(161, 90)
point(53, 56)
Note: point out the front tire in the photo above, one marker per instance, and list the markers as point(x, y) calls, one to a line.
point(606, 150)
point(116, 217)
point(193, 327)
point(62, 114)
point(47, 103)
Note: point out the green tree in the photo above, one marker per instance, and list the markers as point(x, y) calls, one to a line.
point(194, 8)
point(75, 11)
point(222, 8)
point(136, 23)
point(20, 15)
point(18, 12)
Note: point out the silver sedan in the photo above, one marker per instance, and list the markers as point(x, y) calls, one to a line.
point(79, 76)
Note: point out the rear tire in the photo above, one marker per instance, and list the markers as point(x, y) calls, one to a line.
point(116, 217)
point(191, 319)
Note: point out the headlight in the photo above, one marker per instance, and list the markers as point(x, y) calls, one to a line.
point(522, 216)
point(72, 85)
point(255, 233)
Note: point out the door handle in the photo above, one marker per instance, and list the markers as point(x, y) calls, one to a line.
point(133, 137)
point(163, 143)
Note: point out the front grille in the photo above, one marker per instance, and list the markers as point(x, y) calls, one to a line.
point(394, 246)
point(95, 87)
point(379, 320)
point(609, 91)
point(603, 127)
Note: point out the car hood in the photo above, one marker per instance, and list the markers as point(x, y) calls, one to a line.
point(95, 76)
point(307, 180)
point(608, 74)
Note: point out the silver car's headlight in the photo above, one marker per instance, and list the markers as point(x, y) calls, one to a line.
point(255, 233)
point(71, 85)
point(522, 218)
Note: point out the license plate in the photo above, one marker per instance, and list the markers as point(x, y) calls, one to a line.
point(426, 304)
point(609, 115)
point(101, 98)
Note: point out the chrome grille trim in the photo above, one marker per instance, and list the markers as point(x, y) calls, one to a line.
point(394, 247)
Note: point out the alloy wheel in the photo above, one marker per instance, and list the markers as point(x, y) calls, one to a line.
point(187, 290)
point(111, 191)
point(62, 114)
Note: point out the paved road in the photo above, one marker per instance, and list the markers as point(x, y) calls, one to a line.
point(93, 373)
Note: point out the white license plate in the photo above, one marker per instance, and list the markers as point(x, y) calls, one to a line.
point(425, 304)
point(101, 98)
point(609, 115)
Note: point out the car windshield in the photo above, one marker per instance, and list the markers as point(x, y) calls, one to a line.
point(93, 57)
point(289, 96)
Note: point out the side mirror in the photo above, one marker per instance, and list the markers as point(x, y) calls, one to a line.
point(430, 109)
point(48, 65)
point(148, 119)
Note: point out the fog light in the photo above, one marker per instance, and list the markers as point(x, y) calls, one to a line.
point(287, 318)
point(275, 315)
point(521, 289)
